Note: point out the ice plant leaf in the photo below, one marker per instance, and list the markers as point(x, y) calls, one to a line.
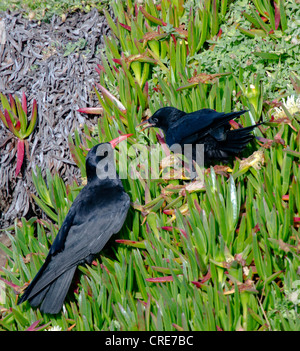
point(10, 125)
point(283, 18)
point(139, 244)
point(111, 23)
point(234, 124)
point(16, 288)
point(110, 96)
point(151, 36)
point(5, 102)
point(160, 279)
point(168, 228)
point(252, 32)
point(24, 103)
point(22, 118)
point(163, 144)
point(177, 327)
point(77, 156)
point(165, 270)
point(33, 120)
point(12, 104)
point(45, 208)
point(20, 155)
point(36, 323)
point(291, 152)
point(277, 15)
point(117, 61)
point(18, 125)
point(187, 86)
point(125, 26)
point(91, 110)
point(3, 119)
point(152, 18)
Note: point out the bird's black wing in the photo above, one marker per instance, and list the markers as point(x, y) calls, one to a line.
point(95, 216)
point(194, 126)
point(56, 246)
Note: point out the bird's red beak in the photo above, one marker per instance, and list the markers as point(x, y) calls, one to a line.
point(148, 125)
point(116, 141)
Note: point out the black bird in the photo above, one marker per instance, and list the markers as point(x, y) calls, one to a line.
point(206, 127)
point(97, 213)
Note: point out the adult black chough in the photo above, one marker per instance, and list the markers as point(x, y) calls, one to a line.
point(97, 213)
point(206, 127)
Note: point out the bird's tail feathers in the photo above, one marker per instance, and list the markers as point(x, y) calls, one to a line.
point(245, 130)
point(33, 283)
point(53, 299)
point(237, 139)
point(52, 296)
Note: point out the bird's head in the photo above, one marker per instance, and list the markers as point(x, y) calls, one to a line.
point(163, 118)
point(100, 159)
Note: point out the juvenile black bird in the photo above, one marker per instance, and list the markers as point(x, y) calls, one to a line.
point(206, 127)
point(97, 213)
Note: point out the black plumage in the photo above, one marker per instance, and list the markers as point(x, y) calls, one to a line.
point(207, 127)
point(97, 213)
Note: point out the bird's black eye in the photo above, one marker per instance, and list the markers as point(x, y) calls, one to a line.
point(154, 120)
